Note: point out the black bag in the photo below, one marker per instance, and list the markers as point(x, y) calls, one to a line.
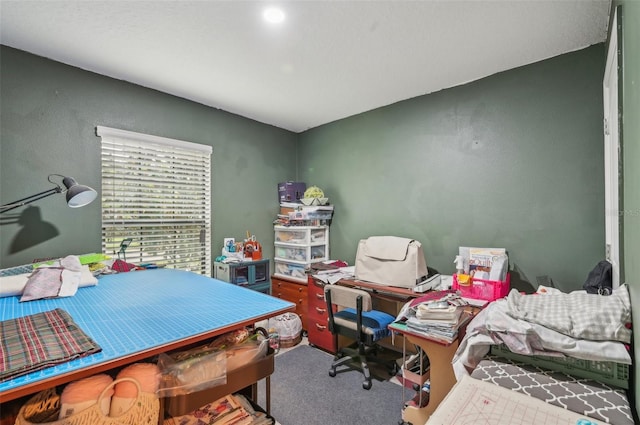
point(599, 279)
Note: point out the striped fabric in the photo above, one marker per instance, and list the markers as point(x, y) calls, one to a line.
point(41, 340)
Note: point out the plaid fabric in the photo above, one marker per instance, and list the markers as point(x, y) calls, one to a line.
point(122, 266)
point(41, 340)
point(577, 314)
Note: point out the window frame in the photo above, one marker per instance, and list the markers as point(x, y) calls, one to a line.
point(156, 191)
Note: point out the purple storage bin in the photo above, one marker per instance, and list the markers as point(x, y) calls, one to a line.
point(291, 191)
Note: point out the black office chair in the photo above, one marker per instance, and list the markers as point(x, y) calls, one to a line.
point(356, 320)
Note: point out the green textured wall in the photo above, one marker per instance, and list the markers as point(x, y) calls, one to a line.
point(514, 160)
point(49, 115)
point(631, 159)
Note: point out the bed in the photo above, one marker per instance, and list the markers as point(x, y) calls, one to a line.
point(136, 315)
point(569, 351)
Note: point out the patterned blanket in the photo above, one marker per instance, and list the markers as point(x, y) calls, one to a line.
point(577, 314)
point(41, 340)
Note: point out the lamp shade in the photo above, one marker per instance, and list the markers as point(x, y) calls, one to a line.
point(78, 195)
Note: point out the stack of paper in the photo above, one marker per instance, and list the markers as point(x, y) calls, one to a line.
point(438, 318)
point(438, 312)
point(440, 329)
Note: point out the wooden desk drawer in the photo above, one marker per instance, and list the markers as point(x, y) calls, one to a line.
point(318, 331)
point(317, 299)
point(318, 313)
point(320, 336)
point(300, 299)
point(288, 291)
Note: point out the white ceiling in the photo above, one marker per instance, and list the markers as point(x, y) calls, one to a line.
point(327, 60)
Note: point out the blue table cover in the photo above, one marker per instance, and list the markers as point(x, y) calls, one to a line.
point(132, 312)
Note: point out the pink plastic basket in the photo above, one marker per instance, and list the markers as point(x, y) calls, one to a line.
point(481, 289)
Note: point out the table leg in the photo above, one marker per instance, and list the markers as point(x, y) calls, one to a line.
point(441, 376)
point(267, 381)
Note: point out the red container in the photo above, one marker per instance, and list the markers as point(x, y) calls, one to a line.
point(481, 289)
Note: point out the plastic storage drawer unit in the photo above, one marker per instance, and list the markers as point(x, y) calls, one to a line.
point(290, 270)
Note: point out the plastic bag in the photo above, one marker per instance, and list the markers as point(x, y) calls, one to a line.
point(191, 371)
point(206, 366)
point(288, 325)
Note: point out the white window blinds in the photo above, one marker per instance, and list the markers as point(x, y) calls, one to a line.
point(156, 191)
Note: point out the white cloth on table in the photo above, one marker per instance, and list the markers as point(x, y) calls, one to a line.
point(71, 278)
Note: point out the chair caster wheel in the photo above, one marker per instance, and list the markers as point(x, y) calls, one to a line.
point(332, 373)
point(366, 385)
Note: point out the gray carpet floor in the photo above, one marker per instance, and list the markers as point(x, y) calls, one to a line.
point(303, 393)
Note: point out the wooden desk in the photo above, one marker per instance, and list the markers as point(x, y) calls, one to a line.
point(442, 378)
point(440, 354)
point(381, 290)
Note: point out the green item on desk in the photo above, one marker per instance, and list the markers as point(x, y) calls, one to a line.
point(92, 258)
point(399, 325)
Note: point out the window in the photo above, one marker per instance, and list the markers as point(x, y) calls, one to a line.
point(157, 192)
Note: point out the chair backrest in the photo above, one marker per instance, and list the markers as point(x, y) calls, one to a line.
point(343, 296)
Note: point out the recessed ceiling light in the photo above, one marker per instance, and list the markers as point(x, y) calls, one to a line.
point(273, 15)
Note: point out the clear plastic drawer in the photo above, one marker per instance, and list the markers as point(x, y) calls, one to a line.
point(305, 254)
point(300, 236)
point(290, 270)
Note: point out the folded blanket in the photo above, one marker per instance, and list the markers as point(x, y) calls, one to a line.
point(493, 325)
point(577, 314)
point(41, 340)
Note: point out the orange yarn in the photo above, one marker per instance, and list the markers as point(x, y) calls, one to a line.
point(147, 374)
point(86, 389)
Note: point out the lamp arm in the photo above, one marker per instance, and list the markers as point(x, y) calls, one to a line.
point(29, 199)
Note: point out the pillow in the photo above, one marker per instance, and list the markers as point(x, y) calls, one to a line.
point(43, 283)
point(13, 285)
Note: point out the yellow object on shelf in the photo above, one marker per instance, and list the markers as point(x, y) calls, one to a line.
point(464, 279)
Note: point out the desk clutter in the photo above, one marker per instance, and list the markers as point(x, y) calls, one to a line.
point(302, 206)
point(438, 315)
point(482, 273)
point(236, 251)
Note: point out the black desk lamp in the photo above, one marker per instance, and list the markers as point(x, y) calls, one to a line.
point(77, 195)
